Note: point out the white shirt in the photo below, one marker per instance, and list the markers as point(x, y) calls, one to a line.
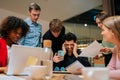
point(9, 52)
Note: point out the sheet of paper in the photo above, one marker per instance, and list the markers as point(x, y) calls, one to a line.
point(74, 66)
point(72, 77)
point(92, 50)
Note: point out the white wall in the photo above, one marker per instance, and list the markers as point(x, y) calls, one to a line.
point(81, 31)
point(91, 31)
point(62, 9)
point(6, 13)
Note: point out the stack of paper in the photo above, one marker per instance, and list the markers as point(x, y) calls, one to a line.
point(74, 66)
point(91, 51)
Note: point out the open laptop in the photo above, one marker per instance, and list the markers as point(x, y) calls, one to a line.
point(21, 54)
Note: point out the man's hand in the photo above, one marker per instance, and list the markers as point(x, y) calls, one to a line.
point(63, 48)
point(75, 50)
point(57, 58)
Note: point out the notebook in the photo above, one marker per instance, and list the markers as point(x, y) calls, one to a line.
point(21, 56)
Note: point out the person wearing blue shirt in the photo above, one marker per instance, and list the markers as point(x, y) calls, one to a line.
point(33, 37)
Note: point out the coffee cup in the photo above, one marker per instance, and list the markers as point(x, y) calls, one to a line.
point(36, 71)
point(95, 73)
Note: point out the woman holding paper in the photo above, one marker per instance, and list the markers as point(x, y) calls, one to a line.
point(107, 50)
point(111, 33)
point(11, 30)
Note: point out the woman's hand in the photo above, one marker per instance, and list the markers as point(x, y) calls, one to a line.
point(103, 51)
point(3, 69)
point(98, 56)
point(106, 50)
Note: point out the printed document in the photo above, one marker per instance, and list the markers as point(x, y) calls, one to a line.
point(92, 50)
point(74, 66)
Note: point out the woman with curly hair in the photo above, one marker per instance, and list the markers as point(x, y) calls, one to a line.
point(11, 30)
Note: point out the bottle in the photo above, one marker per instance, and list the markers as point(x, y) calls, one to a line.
point(48, 62)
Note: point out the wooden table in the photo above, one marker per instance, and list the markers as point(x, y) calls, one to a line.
point(66, 77)
point(54, 77)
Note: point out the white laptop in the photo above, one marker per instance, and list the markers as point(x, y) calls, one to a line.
point(21, 54)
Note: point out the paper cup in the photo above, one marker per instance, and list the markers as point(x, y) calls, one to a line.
point(95, 73)
point(36, 72)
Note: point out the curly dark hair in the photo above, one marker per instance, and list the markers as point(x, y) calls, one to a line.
point(13, 23)
point(70, 36)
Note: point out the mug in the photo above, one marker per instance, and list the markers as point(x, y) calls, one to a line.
point(95, 73)
point(36, 71)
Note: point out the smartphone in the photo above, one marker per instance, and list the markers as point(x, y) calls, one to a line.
point(60, 53)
